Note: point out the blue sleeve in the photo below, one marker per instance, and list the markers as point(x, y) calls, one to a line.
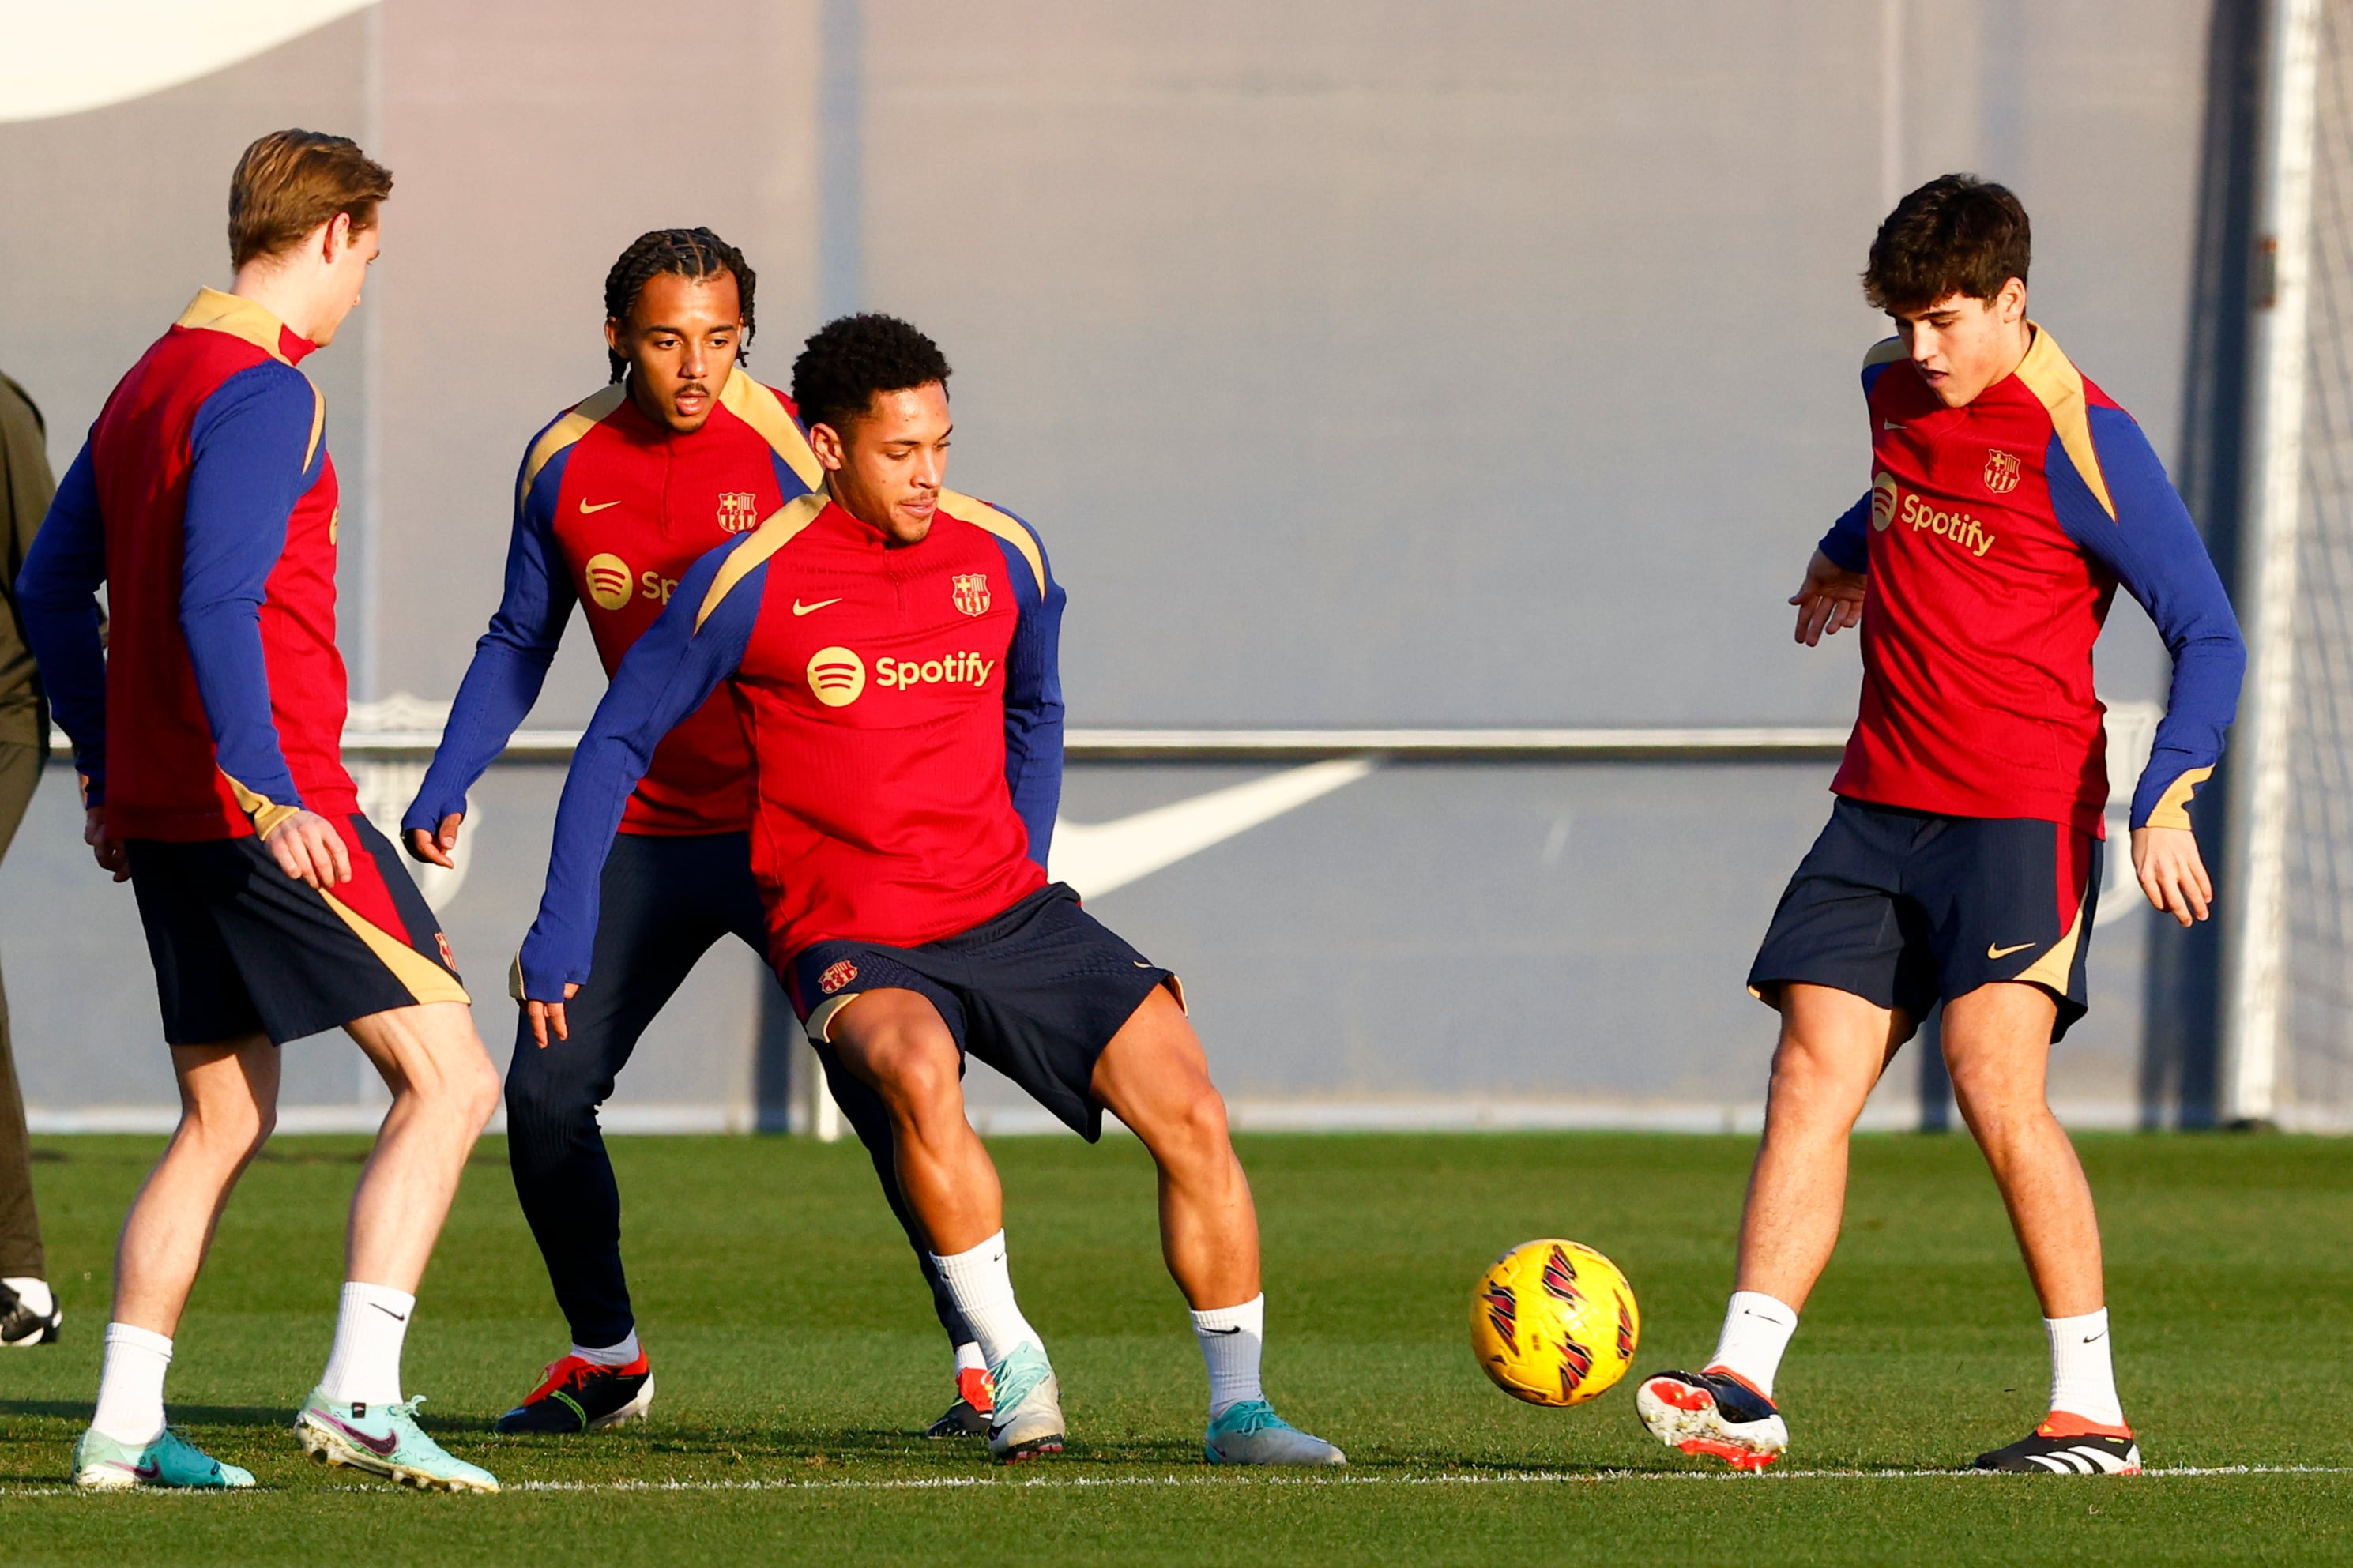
point(57, 598)
point(665, 676)
point(1848, 544)
point(2154, 549)
point(253, 457)
point(1033, 698)
point(509, 662)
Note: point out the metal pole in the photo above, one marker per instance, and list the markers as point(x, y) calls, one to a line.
point(2255, 947)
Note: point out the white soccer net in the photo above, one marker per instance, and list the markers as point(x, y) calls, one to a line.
point(2292, 1006)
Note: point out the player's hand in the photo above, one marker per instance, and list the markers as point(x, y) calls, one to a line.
point(546, 1016)
point(2165, 859)
point(112, 854)
point(308, 849)
point(435, 848)
point(1830, 602)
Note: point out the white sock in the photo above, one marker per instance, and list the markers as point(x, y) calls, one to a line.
point(1757, 1330)
point(621, 1355)
point(2083, 1375)
point(131, 1388)
point(34, 1294)
point(364, 1366)
point(982, 1288)
point(969, 1359)
point(1232, 1340)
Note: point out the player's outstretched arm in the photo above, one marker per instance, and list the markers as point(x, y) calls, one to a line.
point(254, 449)
point(2144, 536)
point(1830, 598)
point(57, 597)
point(1033, 698)
point(694, 644)
point(509, 667)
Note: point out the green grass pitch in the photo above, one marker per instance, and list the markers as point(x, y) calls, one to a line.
point(797, 1360)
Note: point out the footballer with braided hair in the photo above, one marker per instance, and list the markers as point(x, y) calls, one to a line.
point(617, 497)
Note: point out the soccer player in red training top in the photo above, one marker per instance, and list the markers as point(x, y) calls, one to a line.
point(208, 737)
point(617, 497)
point(891, 648)
point(2009, 497)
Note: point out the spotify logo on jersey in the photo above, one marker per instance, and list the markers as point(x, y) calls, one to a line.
point(1883, 492)
point(836, 677)
point(608, 581)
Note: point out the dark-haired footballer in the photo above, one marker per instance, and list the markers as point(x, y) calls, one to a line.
point(617, 497)
point(2009, 496)
point(892, 646)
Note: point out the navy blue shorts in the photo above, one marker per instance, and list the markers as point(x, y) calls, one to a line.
point(1905, 909)
point(1036, 992)
point(241, 948)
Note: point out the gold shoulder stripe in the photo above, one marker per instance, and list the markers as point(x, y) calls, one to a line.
point(585, 416)
point(765, 540)
point(2172, 807)
point(214, 311)
point(2053, 377)
point(318, 423)
point(758, 405)
point(1886, 351)
point(980, 514)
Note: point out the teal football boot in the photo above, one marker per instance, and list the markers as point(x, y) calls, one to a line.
point(102, 1464)
point(1026, 1415)
point(1249, 1432)
point(385, 1440)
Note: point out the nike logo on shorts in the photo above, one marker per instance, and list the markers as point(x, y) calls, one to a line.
point(1993, 952)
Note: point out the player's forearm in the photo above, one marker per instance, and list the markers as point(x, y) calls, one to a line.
point(57, 600)
point(232, 677)
point(500, 687)
point(1847, 544)
point(71, 658)
point(2199, 710)
point(562, 937)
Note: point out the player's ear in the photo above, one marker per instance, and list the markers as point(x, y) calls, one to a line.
point(826, 442)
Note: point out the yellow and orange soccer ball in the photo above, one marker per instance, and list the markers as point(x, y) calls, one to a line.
point(1554, 1322)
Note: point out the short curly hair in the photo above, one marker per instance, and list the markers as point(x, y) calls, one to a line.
point(846, 363)
point(1956, 235)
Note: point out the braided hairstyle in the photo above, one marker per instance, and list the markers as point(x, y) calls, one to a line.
point(687, 252)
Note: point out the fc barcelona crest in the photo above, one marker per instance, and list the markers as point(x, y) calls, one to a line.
point(972, 592)
point(2001, 471)
point(738, 511)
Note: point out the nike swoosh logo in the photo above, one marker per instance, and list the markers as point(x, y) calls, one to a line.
point(2095, 1339)
point(801, 609)
point(381, 1447)
point(1234, 1331)
point(147, 1470)
point(1993, 952)
point(1889, 425)
point(1094, 858)
point(587, 511)
point(396, 1317)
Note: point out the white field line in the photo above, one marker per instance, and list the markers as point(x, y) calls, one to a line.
point(1085, 1483)
point(1494, 1478)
